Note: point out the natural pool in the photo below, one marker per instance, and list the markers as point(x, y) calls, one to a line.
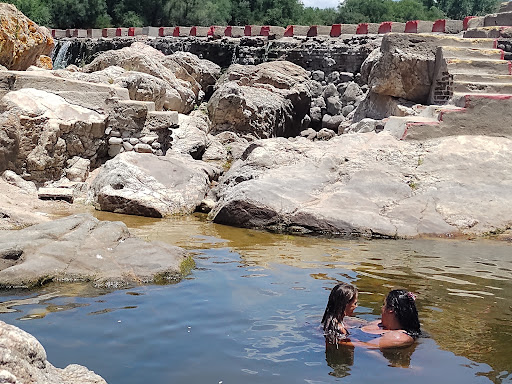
point(249, 311)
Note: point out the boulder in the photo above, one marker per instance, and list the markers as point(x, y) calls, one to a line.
point(189, 138)
point(82, 248)
point(353, 94)
point(325, 134)
point(332, 122)
point(266, 100)
point(43, 131)
point(215, 150)
point(376, 106)
point(365, 125)
point(235, 146)
point(24, 360)
point(204, 72)
point(183, 91)
point(44, 62)
point(370, 185)
point(141, 86)
point(404, 67)
point(26, 187)
point(77, 169)
point(155, 186)
point(22, 42)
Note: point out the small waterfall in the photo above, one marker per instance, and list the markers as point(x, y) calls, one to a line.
point(234, 56)
point(267, 51)
point(61, 58)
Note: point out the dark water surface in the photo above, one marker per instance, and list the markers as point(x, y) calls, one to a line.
point(249, 311)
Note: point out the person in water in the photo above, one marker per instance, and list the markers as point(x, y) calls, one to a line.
point(342, 302)
point(399, 325)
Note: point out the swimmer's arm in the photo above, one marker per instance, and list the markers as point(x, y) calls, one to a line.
point(391, 339)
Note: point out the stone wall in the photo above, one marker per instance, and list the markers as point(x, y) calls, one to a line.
point(344, 54)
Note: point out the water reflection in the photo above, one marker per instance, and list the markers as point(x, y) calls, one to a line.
point(340, 358)
point(464, 296)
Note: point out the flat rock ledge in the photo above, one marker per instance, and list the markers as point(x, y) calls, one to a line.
point(82, 248)
point(371, 185)
point(23, 360)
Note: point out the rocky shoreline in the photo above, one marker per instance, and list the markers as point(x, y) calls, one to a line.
point(308, 149)
point(395, 136)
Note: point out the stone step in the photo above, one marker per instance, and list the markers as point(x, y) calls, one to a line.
point(16, 80)
point(474, 114)
point(455, 41)
point(481, 114)
point(148, 106)
point(494, 67)
point(159, 120)
point(495, 32)
point(483, 100)
point(482, 87)
point(506, 6)
point(435, 111)
point(66, 194)
point(397, 126)
point(501, 19)
point(481, 78)
point(472, 53)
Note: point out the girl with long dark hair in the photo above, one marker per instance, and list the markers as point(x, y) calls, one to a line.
point(342, 302)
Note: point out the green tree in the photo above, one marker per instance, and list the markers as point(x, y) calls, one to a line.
point(459, 9)
point(406, 10)
point(317, 16)
point(365, 11)
point(79, 14)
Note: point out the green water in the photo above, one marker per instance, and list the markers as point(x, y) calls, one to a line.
point(250, 310)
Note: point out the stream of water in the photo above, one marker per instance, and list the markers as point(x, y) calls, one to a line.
point(250, 311)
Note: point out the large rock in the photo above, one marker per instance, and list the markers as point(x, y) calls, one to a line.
point(183, 91)
point(267, 100)
point(147, 185)
point(23, 360)
point(140, 86)
point(82, 248)
point(21, 40)
point(403, 67)
point(86, 94)
point(371, 185)
point(190, 137)
point(376, 106)
point(43, 131)
point(204, 72)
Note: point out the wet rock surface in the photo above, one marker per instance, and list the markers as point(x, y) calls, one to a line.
point(82, 248)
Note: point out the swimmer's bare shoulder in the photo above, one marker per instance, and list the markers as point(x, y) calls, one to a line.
point(374, 328)
point(388, 338)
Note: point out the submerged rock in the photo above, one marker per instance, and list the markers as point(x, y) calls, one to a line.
point(370, 185)
point(82, 248)
point(23, 360)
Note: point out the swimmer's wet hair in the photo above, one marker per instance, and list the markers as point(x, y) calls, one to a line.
point(403, 304)
point(340, 296)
